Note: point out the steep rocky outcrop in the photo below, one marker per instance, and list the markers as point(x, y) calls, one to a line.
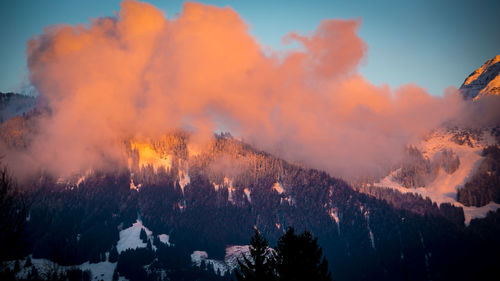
point(483, 81)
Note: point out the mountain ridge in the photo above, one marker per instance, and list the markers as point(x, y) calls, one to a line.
point(483, 81)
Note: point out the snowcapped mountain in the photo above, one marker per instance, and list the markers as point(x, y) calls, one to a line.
point(455, 164)
point(483, 81)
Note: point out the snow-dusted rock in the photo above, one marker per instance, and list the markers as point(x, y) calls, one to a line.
point(483, 81)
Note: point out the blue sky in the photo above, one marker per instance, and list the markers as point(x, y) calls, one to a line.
point(435, 44)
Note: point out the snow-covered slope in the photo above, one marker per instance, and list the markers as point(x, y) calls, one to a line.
point(483, 81)
point(230, 262)
point(443, 188)
point(130, 237)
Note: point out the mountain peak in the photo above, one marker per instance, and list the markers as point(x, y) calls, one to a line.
point(483, 81)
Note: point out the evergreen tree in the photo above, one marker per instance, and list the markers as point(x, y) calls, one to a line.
point(6, 273)
point(299, 258)
point(16, 266)
point(210, 268)
point(87, 275)
point(73, 274)
point(259, 266)
point(156, 241)
point(28, 262)
point(113, 254)
point(143, 235)
point(34, 274)
point(203, 265)
point(115, 275)
point(13, 210)
point(95, 256)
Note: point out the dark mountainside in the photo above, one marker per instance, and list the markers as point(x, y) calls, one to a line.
point(71, 223)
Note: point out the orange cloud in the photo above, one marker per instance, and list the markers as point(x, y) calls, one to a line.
point(141, 74)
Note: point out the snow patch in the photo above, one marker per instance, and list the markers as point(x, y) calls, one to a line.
point(184, 178)
point(289, 199)
point(230, 262)
point(228, 183)
point(130, 237)
point(372, 240)
point(334, 214)
point(83, 177)
point(197, 257)
point(74, 180)
point(234, 253)
point(165, 239)
point(132, 185)
point(367, 218)
point(230, 189)
point(100, 271)
point(247, 194)
point(479, 212)
point(278, 187)
point(181, 205)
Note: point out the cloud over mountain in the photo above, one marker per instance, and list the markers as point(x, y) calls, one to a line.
point(140, 74)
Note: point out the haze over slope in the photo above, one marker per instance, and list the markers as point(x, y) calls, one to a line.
point(140, 74)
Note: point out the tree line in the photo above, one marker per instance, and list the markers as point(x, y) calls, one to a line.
point(295, 257)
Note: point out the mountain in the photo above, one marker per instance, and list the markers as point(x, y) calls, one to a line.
point(171, 211)
point(483, 81)
point(457, 163)
point(12, 104)
point(198, 209)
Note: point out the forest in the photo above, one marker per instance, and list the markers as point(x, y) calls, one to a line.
point(394, 236)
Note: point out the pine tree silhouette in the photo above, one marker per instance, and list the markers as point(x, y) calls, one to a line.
point(298, 257)
point(17, 266)
point(259, 266)
point(28, 262)
point(143, 235)
point(115, 275)
point(113, 255)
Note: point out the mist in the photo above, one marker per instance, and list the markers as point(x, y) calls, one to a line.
point(140, 74)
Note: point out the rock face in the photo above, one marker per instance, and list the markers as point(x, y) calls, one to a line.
point(484, 81)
